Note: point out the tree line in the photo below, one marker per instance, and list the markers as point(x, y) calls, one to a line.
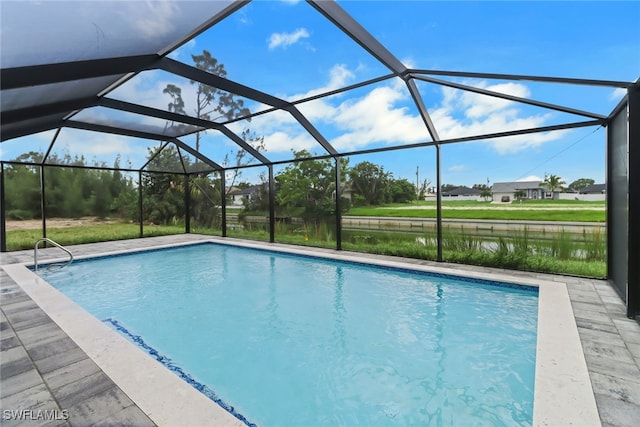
point(307, 188)
point(70, 190)
point(76, 188)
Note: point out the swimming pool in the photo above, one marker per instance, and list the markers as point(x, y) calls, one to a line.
point(292, 340)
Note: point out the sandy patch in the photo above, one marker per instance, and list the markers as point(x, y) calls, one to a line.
point(32, 224)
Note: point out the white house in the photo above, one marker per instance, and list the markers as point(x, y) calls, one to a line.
point(238, 196)
point(505, 191)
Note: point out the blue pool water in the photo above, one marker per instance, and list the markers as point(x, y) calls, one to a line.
point(299, 341)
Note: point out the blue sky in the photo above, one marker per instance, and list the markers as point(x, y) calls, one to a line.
point(288, 49)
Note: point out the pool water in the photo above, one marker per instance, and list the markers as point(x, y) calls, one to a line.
point(300, 341)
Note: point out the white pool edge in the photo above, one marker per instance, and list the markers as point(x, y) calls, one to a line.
point(563, 394)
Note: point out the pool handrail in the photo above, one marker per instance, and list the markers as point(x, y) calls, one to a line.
point(45, 239)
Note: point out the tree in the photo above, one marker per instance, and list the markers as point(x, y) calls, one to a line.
point(401, 191)
point(553, 183)
point(486, 193)
point(213, 104)
point(163, 192)
point(240, 158)
point(421, 191)
point(205, 193)
point(309, 186)
point(448, 187)
point(370, 182)
point(259, 200)
point(581, 183)
point(70, 192)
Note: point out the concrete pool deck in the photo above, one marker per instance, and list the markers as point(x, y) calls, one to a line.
point(56, 357)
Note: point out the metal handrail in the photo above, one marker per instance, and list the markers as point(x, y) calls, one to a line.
point(45, 239)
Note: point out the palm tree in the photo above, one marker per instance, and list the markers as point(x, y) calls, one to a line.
point(553, 182)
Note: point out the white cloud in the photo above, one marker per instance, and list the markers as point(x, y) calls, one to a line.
point(617, 94)
point(287, 39)
point(102, 147)
point(281, 133)
point(530, 178)
point(456, 168)
point(477, 105)
point(464, 113)
point(285, 141)
point(339, 76)
point(377, 118)
point(516, 143)
point(107, 145)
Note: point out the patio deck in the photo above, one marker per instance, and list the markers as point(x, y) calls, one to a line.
point(42, 368)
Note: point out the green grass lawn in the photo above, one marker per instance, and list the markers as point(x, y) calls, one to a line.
point(495, 214)
point(25, 239)
point(473, 203)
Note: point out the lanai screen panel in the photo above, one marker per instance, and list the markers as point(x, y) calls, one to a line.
point(100, 149)
point(373, 116)
point(95, 30)
point(134, 122)
point(279, 136)
point(459, 113)
point(618, 200)
point(14, 99)
point(37, 143)
point(212, 145)
point(163, 91)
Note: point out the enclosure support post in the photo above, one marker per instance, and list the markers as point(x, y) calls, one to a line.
point(338, 206)
point(438, 204)
point(223, 203)
point(140, 203)
point(43, 206)
point(3, 217)
point(272, 206)
point(633, 141)
point(187, 205)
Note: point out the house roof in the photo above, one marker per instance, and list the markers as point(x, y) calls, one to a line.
point(245, 191)
point(594, 189)
point(462, 191)
point(512, 187)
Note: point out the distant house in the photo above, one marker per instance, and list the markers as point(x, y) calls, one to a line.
point(505, 191)
point(462, 192)
point(239, 195)
point(594, 189)
point(590, 193)
point(347, 192)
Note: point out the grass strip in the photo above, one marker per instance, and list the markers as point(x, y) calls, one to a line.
point(25, 239)
point(489, 214)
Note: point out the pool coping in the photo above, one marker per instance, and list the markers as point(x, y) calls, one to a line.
point(563, 393)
